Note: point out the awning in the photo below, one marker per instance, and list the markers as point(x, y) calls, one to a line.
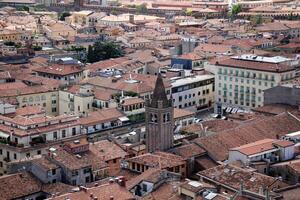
point(123, 119)
point(4, 135)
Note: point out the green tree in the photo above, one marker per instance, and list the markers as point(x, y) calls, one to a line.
point(9, 43)
point(90, 54)
point(256, 20)
point(235, 10)
point(103, 50)
point(142, 8)
point(64, 15)
point(37, 48)
point(188, 12)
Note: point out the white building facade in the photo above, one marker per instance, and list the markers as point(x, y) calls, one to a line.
point(193, 93)
point(241, 81)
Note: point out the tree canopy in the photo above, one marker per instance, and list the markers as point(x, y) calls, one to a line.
point(64, 15)
point(102, 51)
point(235, 10)
point(142, 8)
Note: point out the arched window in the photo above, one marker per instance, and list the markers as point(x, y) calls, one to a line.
point(153, 118)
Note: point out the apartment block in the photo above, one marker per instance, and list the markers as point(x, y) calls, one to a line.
point(241, 80)
point(26, 136)
point(194, 92)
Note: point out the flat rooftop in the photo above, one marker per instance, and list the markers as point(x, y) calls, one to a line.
point(253, 57)
point(192, 79)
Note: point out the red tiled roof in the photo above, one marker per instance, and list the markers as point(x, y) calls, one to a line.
point(160, 160)
point(105, 192)
point(100, 116)
point(260, 66)
point(219, 144)
point(189, 150)
point(18, 185)
point(60, 70)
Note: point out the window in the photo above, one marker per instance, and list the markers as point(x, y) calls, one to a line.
point(86, 170)
point(75, 173)
point(138, 167)
point(63, 133)
point(88, 106)
point(15, 156)
point(114, 160)
point(53, 109)
point(74, 131)
point(0, 151)
point(73, 182)
point(53, 171)
point(27, 155)
point(55, 135)
point(39, 152)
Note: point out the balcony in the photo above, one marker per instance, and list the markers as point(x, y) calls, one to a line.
point(38, 140)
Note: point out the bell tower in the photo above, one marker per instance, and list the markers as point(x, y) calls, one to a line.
point(159, 119)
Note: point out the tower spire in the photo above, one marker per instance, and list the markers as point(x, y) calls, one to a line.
point(159, 94)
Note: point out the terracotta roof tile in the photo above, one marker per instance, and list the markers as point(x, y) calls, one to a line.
point(160, 160)
point(100, 116)
point(189, 150)
point(18, 185)
point(260, 66)
point(232, 176)
point(218, 144)
point(105, 192)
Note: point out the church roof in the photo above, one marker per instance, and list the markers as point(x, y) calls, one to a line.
point(159, 94)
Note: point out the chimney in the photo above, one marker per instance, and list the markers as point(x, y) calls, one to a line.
point(122, 181)
point(111, 181)
point(82, 188)
point(131, 19)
